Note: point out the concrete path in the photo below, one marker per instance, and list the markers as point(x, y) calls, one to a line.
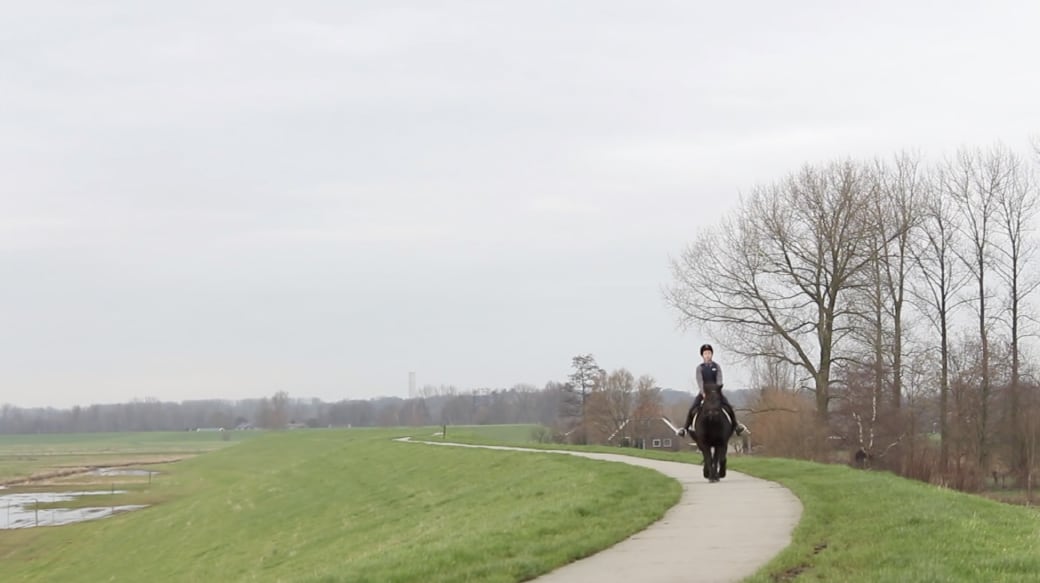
point(750, 521)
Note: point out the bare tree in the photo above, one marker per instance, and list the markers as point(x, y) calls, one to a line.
point(901, 187)
point(919, 395)
point(610, 406)
point(1016, 208)
point(935, 291)
point(649, 405)
point(872, 391)
point(770, 374)
point(965, 378)
point(780, 268)
point(976, 180)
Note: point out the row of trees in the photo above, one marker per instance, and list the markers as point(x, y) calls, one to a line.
point(591, 406)
point(151, 414)
point(896, 294)
point(614, 407)
point(437, 405)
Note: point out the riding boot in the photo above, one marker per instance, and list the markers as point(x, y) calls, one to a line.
point(688, 426)
point(738, 427)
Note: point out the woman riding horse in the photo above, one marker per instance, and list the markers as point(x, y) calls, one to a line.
point(715, 418)
point(712, 430)
point(709, 372)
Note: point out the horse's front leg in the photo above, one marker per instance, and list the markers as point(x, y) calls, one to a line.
point(706, 455)
point(715, 464)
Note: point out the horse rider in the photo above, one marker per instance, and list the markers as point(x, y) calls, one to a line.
point(710, 373)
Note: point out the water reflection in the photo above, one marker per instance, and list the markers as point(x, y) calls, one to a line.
point(19, 510)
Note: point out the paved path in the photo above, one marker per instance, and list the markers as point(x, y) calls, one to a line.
point(750, 520)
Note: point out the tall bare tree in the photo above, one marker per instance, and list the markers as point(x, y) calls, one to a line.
point(901, 187)
point(977, 180)
point(781, 267)
point(1016, 209)
point(935, 291)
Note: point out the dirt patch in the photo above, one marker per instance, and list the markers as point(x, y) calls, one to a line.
point(45, 478)
point(793, 572)
point(790, 574)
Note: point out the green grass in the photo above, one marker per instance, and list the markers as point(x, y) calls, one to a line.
point(875, 526)
point(354, 506)
point(351, 505)
point(517, 433)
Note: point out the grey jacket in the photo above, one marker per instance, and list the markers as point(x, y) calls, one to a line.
point(700, 374)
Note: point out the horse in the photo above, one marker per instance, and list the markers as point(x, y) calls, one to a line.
point(712, 430)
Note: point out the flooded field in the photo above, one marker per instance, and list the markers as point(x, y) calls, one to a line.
point(20, 510)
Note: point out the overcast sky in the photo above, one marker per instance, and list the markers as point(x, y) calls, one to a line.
point(208, 199)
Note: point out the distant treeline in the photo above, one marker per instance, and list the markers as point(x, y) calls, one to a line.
point(521, 404)
point(437, 405)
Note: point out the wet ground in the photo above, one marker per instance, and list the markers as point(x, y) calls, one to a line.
point(20, 510)
point(120, 472)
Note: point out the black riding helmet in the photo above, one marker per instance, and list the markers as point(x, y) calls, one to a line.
point(707, 347)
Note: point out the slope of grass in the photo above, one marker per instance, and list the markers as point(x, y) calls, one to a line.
point(874, 526)
point(355, 506)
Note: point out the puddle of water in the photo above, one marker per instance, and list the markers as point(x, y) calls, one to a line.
point(19, 510)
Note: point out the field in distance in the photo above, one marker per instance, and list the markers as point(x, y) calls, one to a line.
point(42, 455)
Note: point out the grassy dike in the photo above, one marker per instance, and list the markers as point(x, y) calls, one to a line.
point(861, 526)
point(351, 505)
point(875, 526)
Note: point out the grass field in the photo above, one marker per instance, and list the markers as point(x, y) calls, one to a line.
point(874, 526)
point(351, 505)
point(519, 433)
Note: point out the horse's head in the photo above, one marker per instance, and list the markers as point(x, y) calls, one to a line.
point(713, 396)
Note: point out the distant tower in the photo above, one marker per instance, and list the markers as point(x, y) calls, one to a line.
point(411, 385)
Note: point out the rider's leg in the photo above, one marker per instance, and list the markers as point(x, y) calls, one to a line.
point(739, 427)
point(693, 410)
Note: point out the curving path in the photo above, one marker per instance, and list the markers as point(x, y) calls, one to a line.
point(750, 520)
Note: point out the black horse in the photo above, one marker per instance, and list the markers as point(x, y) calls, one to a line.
point(712, 430)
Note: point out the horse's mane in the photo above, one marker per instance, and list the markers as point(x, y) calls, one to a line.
point(712, 397)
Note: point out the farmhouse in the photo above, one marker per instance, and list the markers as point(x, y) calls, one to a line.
point(652, 433)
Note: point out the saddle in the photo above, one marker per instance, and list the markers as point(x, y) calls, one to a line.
point(698, 414)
